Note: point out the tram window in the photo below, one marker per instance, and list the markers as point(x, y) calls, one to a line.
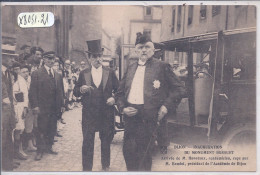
point(244, 67)
point(240, 58)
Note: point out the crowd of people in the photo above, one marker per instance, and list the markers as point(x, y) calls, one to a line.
point(38, 87)
point(17, 72)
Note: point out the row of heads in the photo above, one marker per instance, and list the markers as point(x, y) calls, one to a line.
point(94, 46)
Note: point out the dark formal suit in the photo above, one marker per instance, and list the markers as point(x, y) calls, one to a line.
point(161, 87)
point(96, 115)
point(47, 93)
point(8, 122)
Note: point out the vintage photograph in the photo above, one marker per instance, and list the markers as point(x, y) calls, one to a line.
point(122, 88)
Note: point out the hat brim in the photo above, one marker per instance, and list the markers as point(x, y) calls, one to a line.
point(95, 53)
point(10, 54)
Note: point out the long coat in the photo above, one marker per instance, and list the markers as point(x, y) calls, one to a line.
point(110, 84)
point(39, 93)
point(8, 124)
point(161, 86)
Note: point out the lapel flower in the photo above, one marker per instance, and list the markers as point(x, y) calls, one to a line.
point(156, 84)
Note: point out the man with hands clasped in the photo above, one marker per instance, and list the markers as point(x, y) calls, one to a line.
point(148, 90)
point(96, 86)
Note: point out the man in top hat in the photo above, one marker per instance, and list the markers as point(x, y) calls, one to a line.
point(96, 85)
point(46, 97)
point(22, 59)
point(35, 59)
point(146, 94)
point(8, 120)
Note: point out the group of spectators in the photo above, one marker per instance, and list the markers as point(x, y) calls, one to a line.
point(23, 132)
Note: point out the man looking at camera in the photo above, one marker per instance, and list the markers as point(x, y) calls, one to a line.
point(96, 85)
point(146, 94)
point(46, 96)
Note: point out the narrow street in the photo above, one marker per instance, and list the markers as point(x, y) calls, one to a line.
point(69, 150)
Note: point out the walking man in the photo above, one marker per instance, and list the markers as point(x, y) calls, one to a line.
point(46, 97)
point(146, 94)
point(96, 85)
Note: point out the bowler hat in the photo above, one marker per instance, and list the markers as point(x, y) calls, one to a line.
point(49, 55)
point(94, 47)
point(142, 38)
point(24, 46)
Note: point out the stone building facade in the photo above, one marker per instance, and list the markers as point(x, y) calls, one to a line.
point(182, 21)
point(73, 26)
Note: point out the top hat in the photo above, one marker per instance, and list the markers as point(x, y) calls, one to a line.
point(24, 46)
point(142, 38)
point(94, 47)
point(34, 49)
point(49, 55)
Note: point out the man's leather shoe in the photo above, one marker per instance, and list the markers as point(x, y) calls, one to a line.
point(62, 121)
point(20, 156)
point(105, 168)
point(15, 165)
point(50, 151)
point(38, 157)
point(58, 135)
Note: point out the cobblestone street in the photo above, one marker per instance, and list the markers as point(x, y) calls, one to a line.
point(69, 150)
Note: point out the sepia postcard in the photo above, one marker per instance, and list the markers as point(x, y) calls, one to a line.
point(129, 87)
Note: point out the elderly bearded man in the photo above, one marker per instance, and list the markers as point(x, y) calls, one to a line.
point(148, 90)
point(96, 85)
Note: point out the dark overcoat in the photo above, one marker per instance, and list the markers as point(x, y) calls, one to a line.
point(39, 93)
point(109, 84)
point(161, 86)
point(8, 124)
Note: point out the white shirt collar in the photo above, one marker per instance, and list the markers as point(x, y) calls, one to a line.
point(4, 68)
point(141, 62)
point(97, 69)
point(48, 68)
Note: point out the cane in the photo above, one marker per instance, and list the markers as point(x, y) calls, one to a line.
point(149, 144)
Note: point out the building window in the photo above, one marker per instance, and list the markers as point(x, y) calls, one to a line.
point(147, 32)
point(216, 10)
point(173, 20)
point(190, 14)
point(179, 19)
point(203, 12)
point(148, 11)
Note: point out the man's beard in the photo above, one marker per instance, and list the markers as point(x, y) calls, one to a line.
point(145, 58)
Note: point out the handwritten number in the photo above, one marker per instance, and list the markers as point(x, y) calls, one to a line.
point(44, 21)
point(29, 19)
point(21, 20)
point(25, 21)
